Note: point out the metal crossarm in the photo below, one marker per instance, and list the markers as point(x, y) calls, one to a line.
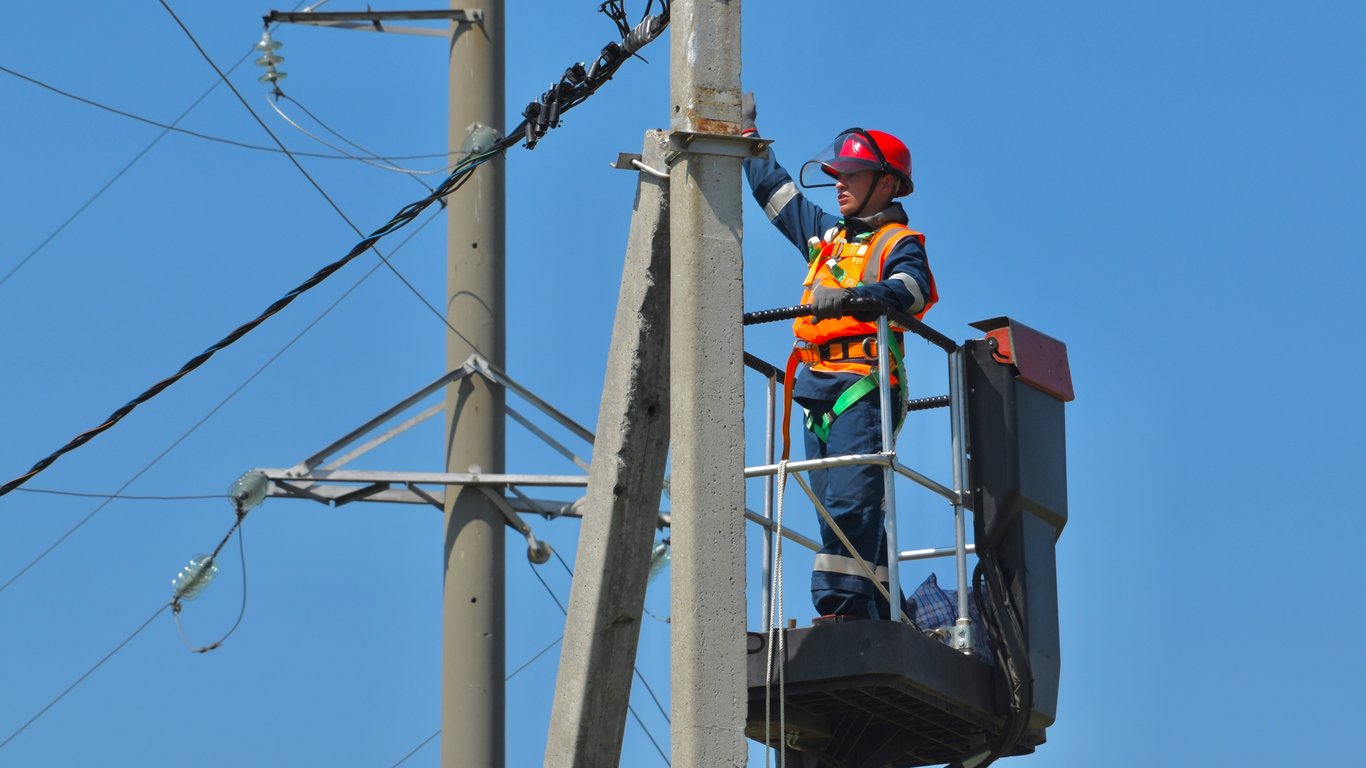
point(324, 477)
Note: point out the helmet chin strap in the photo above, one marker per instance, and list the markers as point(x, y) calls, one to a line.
point(868, 198)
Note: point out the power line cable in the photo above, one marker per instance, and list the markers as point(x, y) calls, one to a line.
point(87, 674)
point(166, 130)
point(174, 444)
point(662, 711)
point(534, 130)
point(549, 591)
point(309, 177)
point(417, 749)
point(172, 127)
point(533, 659)
point(174, 605)
point(176, 602)
point(511, 675)
point(401, 219)
point(575, 86)
point(629, 708)
point(123, 497)
point(274, 101)
point(453, 182)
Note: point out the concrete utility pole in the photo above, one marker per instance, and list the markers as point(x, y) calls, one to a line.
point(612, 567)
point(473, 633)
point(707, 362)
point(472, 692)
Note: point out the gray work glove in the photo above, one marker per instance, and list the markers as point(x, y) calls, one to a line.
point(748, 113)
point(827, 302)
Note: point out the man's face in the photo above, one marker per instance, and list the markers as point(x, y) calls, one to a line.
point(853, 190)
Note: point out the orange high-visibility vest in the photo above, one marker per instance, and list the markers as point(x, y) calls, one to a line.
point(841, 264)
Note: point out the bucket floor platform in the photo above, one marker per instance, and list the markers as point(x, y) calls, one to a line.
point(876, 693)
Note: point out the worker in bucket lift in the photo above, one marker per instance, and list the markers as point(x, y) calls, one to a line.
point(867, 251)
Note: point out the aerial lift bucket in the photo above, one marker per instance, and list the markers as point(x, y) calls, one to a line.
point(882, 692)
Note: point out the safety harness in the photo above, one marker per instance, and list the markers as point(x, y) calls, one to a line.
point(856, 349)
point(867, 348)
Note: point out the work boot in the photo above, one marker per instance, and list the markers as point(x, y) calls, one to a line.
point(836, 618)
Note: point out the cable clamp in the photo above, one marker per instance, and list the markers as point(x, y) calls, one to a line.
point(962, 635)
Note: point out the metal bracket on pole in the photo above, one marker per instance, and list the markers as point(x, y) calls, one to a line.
point(537, 552)
point(360, 493)
point(301, 491)
point(627, 161)
point(439, 503)
point(372, 21)
point(723, 144)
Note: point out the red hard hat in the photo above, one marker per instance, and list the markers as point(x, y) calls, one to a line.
point(857, 150)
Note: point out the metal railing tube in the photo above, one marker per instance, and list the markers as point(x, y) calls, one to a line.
point(886, 459)
point(927, 403)
point(871, 306)
point(884, 393)
point(768, 503)
point(926, 554)
point(764, 367)
point(949, 494)
point(923, 331)
point(788, 533)
point(868, 570)
point(963, 639)
point(804, 465)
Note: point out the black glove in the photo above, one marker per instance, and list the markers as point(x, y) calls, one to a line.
point(748, 113)
point(827, 303)
point(865, 316)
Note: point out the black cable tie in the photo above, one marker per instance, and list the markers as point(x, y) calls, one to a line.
point(611, 53)
point(541, 107)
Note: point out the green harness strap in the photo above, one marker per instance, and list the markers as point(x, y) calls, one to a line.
point(856, 391)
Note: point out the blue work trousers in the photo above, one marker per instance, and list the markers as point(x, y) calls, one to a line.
point(854, 496)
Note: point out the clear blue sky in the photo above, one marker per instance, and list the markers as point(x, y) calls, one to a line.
point(1174, 189)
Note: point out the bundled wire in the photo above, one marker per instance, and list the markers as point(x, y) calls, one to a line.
point(403, 217)
point(1003, 623)
point(575, 86)
point(580, 81)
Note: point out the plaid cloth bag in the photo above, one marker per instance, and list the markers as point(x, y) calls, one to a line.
point(932, 607)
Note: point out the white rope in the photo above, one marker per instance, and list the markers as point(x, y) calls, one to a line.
point(776, 636)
